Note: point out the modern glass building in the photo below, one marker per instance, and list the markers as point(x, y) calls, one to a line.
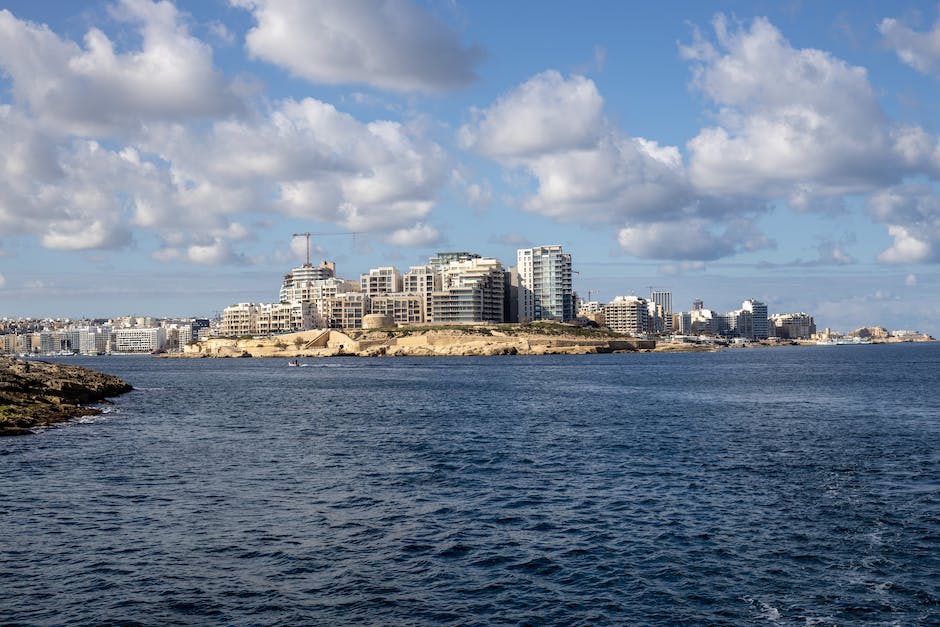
point(545, 291)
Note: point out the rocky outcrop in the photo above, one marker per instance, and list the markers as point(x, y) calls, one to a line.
point(874, 333)
point(427, 341)
point(37, 393)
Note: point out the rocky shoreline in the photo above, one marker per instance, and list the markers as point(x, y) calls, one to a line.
point(38, 393)
point(537, 339)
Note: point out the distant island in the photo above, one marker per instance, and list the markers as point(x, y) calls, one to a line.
point(36, 393)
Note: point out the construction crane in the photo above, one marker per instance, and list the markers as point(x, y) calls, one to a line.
point(308, 234)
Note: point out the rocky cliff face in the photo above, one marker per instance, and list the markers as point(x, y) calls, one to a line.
point(36, 393)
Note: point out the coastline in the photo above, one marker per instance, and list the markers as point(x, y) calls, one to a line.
point(38, 393)
point(480, 340)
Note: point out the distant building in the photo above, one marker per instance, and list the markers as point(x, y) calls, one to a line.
point(404, 309)
point(138, 339)
point(627, 314)
point(663, 298)
point(384, 280)
point(345, 311)
point(298, 281)
point(760, 328)
point(545, 291)
point(793, 326)
point(471, 291)
point(239, 319)
point(423, 281)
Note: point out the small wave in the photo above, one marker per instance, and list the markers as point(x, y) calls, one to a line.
point(766, 611)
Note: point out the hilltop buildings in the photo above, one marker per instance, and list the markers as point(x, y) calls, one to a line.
point(452, 288)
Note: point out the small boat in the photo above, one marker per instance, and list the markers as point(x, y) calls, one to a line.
point(293, 363)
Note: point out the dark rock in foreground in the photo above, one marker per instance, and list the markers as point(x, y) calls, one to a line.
point(37, 393)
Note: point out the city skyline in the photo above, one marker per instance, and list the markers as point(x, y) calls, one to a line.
point(160, 156)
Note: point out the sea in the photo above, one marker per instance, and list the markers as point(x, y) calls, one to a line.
point(783, 486)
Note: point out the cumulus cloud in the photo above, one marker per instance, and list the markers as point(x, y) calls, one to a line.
point(418, 235)
point(810, 128)
point(586, 169)
point(589, 171)
point(693, 240)
point(93, 89)
point(912, 214)
point(391, 44)
point(910, 280)
point(546, 114)
point(66, 195)
point(920, 50)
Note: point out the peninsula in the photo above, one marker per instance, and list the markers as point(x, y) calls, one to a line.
point(37, 393)
point(470, 340)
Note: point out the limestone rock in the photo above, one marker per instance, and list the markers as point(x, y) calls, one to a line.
point(35, 393)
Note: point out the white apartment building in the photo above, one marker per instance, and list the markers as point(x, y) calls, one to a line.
point(627, 314)
point(471, 291)
point(424, 281)
point(137, 340)
point(384, 280)
point(545, 291)
point(793, 326)
point(404, 309)
point(663, 298)
point(268, 318)
point(345, 311)
point(299, 281)
point(760, 327)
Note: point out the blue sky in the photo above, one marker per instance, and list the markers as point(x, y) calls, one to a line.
point(157, 157)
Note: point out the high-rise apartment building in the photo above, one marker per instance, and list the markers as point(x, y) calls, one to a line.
point(663, 299)
point(423, 281)
point(760, 326)
point(471, 291)
point(545, 291)
point(298, 281)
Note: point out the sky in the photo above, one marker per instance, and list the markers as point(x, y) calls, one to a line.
point(156, 158)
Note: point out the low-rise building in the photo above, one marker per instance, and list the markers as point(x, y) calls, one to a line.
point(404, 309)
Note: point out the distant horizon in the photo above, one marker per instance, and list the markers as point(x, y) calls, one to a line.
point(160, 156)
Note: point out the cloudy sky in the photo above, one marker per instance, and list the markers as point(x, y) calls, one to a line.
point(155, 158)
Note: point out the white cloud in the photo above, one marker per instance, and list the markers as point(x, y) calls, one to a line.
point(910, 280)
point(693, 240)
point(544, 115)
point(68, 195)
point(3, 281)
point(912, 213)
point(589, 171)
point(391, 44)
point(419, 235)
point(308, 160)
point(93, 89)
point(797, 123)
point(921, 51)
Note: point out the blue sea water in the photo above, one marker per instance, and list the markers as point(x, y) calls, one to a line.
point(791, 486)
